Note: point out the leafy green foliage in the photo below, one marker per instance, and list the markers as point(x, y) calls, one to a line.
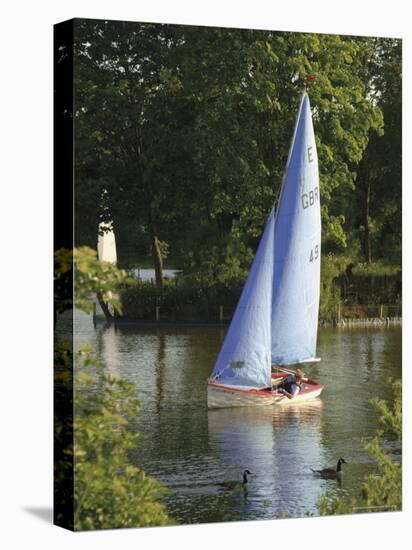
point(109, 491)
point(218, 269)
point(375, 216)
point(96, 431)
point(390, 414)
point(331, 267)
point(91, 277)
point(358, 290)
point(179, 299)
point(187, 129)
point(381, 490)
point(370, 284)
point(376, 269)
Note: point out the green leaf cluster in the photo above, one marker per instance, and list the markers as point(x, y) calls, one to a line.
point(90, 276)
point(382, 489)
point(109, 490)
point(183, 133)
point(96, 417)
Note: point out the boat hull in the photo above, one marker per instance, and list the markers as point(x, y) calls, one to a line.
point(221, 396)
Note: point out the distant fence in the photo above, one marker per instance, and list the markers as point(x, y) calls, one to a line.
point(192, 312)
point(372, 314)
point(363, 322)
point(367, 289)
point(371, 311)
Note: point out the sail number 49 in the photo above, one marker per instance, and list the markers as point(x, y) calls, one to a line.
point(314, 253)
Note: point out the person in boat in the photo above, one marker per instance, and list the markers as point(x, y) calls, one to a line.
point(292, 384)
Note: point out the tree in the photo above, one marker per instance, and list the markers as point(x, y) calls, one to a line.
point(184, 133)
point(122, 77)
point(110, 491)
point(386, 190)
point(376, 217)
point(381, 490)
point(91, 276)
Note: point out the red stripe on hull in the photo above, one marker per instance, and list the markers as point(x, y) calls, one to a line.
point(247, 397)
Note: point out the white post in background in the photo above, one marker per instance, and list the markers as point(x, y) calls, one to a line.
point(106, 244)
point(106, 252)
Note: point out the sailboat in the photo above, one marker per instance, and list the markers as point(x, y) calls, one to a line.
point(276, 319)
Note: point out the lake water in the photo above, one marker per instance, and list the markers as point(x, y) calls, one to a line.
point(191, 450)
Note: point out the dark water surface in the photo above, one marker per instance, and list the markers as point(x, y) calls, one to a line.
point(191, 450)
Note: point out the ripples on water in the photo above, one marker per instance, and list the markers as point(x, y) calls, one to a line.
point(191, 450)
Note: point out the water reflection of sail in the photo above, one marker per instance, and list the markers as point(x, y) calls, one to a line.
point(279, 447)
point(108, 347)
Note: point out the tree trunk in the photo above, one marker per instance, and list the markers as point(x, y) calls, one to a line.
point(367, 239)
point(365, 198)
point(158, 262)
point(105, 308)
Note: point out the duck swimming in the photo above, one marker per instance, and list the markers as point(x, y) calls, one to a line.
point(329, 473)
point(231, 484)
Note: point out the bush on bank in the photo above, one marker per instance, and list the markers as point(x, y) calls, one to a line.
point(358, 290)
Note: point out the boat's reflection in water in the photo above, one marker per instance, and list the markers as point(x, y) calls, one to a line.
point(278, 445)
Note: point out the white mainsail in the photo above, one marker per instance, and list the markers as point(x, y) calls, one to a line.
point(296, 281)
